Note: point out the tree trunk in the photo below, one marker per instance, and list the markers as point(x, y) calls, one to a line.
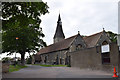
point(23, 58)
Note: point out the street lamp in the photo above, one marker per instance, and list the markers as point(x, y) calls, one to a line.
point(17, 38)
point(16, 48)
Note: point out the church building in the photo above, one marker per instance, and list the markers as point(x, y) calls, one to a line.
point(91, 51)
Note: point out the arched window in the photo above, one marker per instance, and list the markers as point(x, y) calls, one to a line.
point(57, 60)
point(105, 47)
point(78, 47)
point(105, 43)
point(45, 59)
point(105, 53)
point(60, 60)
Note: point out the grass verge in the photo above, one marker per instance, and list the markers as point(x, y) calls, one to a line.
point(51, 65)
point(15, 68)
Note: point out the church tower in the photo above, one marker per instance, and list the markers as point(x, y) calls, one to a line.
point(59, 35)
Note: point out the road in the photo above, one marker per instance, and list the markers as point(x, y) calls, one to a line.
point(33, 71)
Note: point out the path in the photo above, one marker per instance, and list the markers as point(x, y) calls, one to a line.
point(33, 71)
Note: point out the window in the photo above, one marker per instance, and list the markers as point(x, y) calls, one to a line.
point(105, 53)
point(57, 60)
point(60, 60)
point(104, 43)
point(78, 47)
point(106, 58)
point(45, 59)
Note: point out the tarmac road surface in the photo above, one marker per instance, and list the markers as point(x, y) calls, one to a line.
point(34, 71)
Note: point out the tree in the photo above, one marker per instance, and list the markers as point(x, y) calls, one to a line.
point(21, 31)
point(112, 36)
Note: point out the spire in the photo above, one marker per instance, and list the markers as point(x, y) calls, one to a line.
point(59, 19)
point(59, 35)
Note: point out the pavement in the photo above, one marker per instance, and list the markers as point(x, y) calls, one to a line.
point(34, 71)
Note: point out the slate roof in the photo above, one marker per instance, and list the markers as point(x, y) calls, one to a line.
point(64, 44)
point(90, 41)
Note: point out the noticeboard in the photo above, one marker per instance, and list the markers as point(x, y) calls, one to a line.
point(105, 48)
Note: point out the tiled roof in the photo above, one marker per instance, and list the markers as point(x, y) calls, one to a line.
point(64, 44)
point(90, 41)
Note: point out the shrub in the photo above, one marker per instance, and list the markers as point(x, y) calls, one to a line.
point(6, 60)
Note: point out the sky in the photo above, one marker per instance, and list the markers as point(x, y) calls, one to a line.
point(86, 16)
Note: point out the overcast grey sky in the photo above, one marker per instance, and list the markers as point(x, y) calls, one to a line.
point(86, 16)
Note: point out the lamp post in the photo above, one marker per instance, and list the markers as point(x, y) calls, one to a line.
point(16, 48)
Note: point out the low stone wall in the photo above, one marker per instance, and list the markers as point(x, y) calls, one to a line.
point(5, 67)
point(91, 58)
point(87, 58)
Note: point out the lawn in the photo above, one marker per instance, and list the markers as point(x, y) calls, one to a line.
point(15, 68)
point(51, 65)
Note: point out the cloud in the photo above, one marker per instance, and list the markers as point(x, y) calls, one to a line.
point(86, 16)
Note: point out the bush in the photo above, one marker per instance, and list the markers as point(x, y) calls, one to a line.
point(6, 60)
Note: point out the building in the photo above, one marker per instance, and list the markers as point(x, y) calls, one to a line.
point(92, 51)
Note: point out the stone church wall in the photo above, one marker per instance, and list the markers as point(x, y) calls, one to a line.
point(103, 38)
point(91, 58)
point(119, 65)
point(87, 58)
point(57, 57)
